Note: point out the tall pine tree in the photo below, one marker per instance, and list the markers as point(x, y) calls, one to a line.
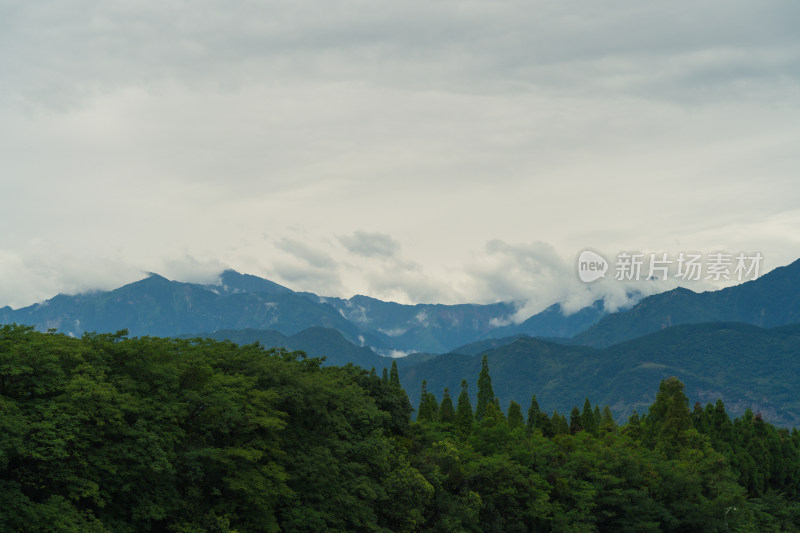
point(533, 412)
point(485, 392)
point(515, 419)
point(575, 422)
point(447, 413)
point(464, 411)
point(394, 375)
point(588, 419)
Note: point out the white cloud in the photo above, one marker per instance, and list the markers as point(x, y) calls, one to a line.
point(381, 145)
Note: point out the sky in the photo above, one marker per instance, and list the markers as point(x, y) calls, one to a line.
point(412, 151)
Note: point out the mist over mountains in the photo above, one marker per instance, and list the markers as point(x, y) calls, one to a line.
point(160, 307)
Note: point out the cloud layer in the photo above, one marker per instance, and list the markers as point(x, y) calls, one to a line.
point(448, 151)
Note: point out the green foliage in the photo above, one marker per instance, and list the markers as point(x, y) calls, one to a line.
point(464, 416)
point(575, 421)
point(428, 407)
point(533, 413)
point(109, 433)
point(588, 419)
point(447, 413)
point(558, 425)
point(394, 375)
point(515, 419)
point(485, 392)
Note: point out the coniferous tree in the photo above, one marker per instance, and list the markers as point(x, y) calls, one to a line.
point(721, 425)
point(670, 391)
point(447, 413)
point(700, 419)
point(485, 392)
point(672, 437)
point(425, 412)
point(634, 426)
point(607, 422)
point(373, 373)
point(558, 424)
point(587, 418)
point(575, 421)
point(464, 411)
point(515, 419)
point(385, 377)
point(394, 375)
point(494, 413)
point(533, 412)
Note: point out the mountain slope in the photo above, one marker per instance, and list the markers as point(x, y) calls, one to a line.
point(771, 300)
point(433, 328)
point(553, 322)
point(315, 342)
point(744, 365)
point(157, 306)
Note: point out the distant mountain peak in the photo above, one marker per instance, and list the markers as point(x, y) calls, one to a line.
point(151, 279)
point(233, 281)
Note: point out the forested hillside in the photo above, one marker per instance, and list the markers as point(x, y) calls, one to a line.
point(769, 301)
point(109, 433)
point(746, 366)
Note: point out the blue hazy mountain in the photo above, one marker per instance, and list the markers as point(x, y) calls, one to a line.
point(771, 300)
point(744, 365)
point(158, 306)
point(315, 342)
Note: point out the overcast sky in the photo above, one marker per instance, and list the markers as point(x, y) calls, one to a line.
point(416, 151)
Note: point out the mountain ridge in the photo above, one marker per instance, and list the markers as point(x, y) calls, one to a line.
point(155, 305)
point(771, 300)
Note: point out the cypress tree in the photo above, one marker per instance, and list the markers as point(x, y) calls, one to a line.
point(385, 377)
point(670, 391)
point(558, 424)
point(575, 422)
point(464, 411)
point(428, 406)
point(373, 373)
point(394, 375)
point(533, 412)
point(634, 426)
point(515, 419)
point(485, 392)
point(425, 412)
point(587, 418)
point(493, 413)
point(447, 413)
point(607, 420)
point(700, 419)
point(434, 407)
point(672, 436)
point(721, 425)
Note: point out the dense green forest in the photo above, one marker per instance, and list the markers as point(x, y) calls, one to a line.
point(110, 433)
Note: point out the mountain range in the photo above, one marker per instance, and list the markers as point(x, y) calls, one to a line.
point(744, 365)
point(740, 344)
point(160, 307)
point(771, 300)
